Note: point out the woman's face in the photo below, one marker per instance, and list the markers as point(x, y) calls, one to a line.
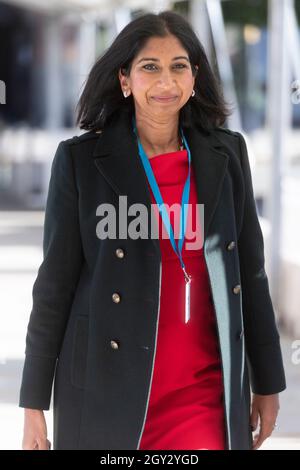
point(162, 69)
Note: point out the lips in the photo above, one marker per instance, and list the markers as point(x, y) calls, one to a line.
point(165, 98)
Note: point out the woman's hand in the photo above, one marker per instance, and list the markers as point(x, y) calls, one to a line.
point(265, 408)
point(35, 431)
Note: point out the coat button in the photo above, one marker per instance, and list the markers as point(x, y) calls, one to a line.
point(120, 253)
point(237, 289)
point(114, 344)
point(116, 298)
point(231, 245)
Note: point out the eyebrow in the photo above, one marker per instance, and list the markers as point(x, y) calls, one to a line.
point(157, 60)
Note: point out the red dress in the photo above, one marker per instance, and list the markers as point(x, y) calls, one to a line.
point(185, 409)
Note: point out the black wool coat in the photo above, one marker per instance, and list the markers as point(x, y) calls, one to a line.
point(98, 348)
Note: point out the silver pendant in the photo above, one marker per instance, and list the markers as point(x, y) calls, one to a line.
point(187, 279)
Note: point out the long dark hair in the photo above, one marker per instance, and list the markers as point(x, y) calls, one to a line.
point(102, 96)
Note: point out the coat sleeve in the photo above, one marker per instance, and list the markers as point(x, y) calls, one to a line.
point(55, 284)
point(262, 340)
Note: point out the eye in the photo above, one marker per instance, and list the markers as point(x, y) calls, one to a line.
point(176, 65)
point(148, 65)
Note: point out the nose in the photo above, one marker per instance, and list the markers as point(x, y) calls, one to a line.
point(165, 78)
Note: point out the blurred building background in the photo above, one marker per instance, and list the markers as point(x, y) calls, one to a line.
point(46, 51)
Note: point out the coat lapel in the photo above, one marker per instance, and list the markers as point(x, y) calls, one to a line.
point(117, 159)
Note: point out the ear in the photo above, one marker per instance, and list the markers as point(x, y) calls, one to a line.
point(194, 77)
point(123, 79)
point(120, 75)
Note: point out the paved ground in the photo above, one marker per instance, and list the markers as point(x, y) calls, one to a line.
point(20, 256)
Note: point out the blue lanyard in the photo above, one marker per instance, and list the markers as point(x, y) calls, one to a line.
point(159, 199)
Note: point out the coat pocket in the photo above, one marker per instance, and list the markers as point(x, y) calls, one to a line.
point(79, 351)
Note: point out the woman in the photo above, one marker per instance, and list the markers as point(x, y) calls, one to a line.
point(152, 345)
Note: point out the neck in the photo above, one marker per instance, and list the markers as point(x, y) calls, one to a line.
point(158, 135)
